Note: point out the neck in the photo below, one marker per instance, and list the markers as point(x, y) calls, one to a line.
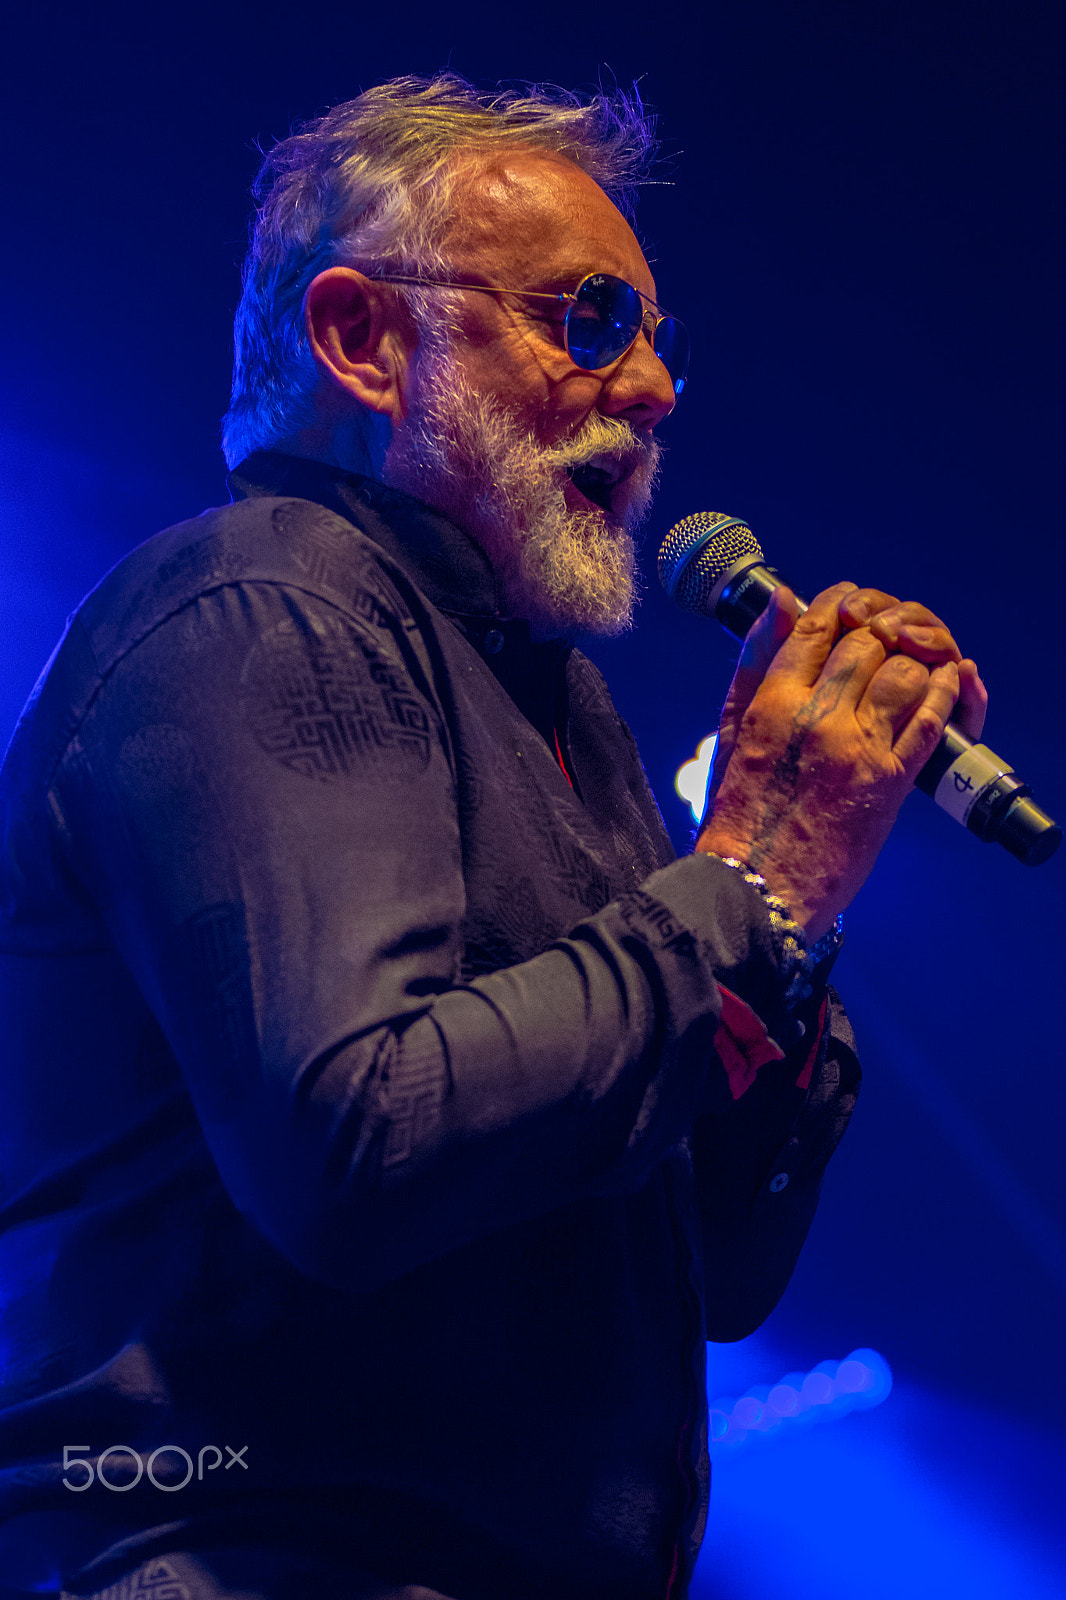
point(357, 445)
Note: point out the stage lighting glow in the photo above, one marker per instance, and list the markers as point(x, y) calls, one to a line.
point(692, 778)
point(784, 1400)
point(831, 1389)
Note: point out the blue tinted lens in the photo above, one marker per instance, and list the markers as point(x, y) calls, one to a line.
point(603, 321)
point(605, 317)
point(670, 343)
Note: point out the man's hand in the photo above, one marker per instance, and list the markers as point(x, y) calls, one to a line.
point(828, 721)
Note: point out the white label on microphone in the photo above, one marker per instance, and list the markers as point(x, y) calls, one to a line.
point(967, 778)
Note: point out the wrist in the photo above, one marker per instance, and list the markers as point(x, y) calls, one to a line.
point(794, 960)
point(728, 845)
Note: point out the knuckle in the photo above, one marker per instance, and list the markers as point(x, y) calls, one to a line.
point(904, 673)
point(875, 600)
point(816, 624)
point(910, 670)
point(831, 597)
point(929, 724)
point(919, 613)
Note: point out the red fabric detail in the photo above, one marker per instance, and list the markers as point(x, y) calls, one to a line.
point(742, 1043)
point(675, 1565)
point(804, 1079)
point(562, 763)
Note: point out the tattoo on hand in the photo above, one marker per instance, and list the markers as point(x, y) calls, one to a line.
point(784, 779)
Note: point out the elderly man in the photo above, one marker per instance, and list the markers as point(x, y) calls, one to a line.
point(389, 1118)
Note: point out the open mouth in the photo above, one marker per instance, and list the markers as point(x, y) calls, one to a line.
point(596, 480)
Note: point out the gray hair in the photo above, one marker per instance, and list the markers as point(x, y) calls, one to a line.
point(370, 184)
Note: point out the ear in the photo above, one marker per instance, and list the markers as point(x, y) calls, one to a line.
point(362, 339)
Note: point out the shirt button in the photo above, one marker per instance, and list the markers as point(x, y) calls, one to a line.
point(778, 1183)
point(493, 642)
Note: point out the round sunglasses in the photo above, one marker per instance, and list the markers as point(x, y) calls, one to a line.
point(604, 318)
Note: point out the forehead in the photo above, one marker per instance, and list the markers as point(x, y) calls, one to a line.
point(533, 218)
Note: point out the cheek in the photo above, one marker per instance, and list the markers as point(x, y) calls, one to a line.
point(558, 406)
point(537, 384)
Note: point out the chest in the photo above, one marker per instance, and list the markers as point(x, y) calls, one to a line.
point(541, 851)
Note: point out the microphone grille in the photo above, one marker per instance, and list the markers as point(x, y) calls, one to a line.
point(697, 551)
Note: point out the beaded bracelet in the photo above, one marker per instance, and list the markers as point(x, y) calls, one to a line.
point(796, 961)
point(829, 943)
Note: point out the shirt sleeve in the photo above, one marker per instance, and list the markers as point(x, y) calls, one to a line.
point(759, 1166)
point(261, 803)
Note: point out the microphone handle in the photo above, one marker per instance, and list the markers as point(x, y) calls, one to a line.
point(967, 780)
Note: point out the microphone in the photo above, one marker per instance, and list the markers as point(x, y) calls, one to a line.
point(711, 563)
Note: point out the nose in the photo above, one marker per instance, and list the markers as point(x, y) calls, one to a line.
point(638, 388)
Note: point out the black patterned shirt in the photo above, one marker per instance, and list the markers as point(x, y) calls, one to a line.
point(370, 1111)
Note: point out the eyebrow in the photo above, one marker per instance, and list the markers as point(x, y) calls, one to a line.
point(566, 281)
point(572, 276)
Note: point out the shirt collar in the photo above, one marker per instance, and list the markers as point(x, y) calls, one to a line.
point(449, 567)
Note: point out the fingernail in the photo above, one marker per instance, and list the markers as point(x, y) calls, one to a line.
point(859, 610)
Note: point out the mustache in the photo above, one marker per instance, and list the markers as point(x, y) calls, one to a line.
point(608, 436)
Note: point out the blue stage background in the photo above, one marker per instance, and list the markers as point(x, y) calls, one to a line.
point(862, 225)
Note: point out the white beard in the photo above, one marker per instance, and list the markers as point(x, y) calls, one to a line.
point(462, 453)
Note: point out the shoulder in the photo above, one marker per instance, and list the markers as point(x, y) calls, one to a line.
point(283, 542)
point(265, 593)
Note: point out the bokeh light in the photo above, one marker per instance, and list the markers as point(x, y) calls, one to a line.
point(831, 1389)
point(692, 778)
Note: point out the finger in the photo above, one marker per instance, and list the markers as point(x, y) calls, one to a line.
point(860, 605)
point(894, 693)
point(807, 648)
point(914, 629)
point(921, 735)
point(762, 643)
point(847, 674)
point(973, 700)
point(930, 645)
